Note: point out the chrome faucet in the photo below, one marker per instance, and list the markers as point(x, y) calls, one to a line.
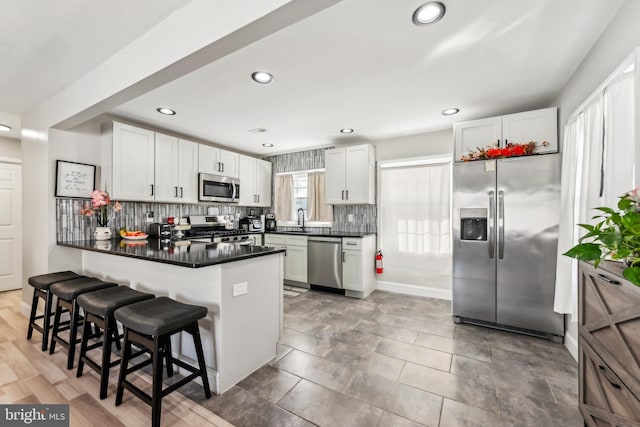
point(301, 211)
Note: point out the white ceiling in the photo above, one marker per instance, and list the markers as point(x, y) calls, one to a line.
point(359, 64)
point(364, 65)
point(46, 46)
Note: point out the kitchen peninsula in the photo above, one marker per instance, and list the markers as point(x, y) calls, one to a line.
point(240, 285)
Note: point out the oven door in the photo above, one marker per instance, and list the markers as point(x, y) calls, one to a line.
point(213, 188)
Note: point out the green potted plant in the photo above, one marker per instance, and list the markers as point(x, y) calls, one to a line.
point(616, 235)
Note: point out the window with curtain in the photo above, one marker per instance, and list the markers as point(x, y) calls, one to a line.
point(415, 224)
point(302, 190)
point(599, 158)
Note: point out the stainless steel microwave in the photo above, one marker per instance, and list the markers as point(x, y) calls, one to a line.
point(214, 188)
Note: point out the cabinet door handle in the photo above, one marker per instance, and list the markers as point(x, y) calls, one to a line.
point(218, 168)
point(342, 194)
point(152, 189)
point(222, 167)
point(608, 280)
point(347, 194)
point(176, 191)
point(605, 373)
point(350, 244)
point(342, 256)
point(181, 192)
point(258, 196)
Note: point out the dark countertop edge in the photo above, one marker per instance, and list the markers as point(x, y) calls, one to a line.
point(178, 263)
point(355, 234)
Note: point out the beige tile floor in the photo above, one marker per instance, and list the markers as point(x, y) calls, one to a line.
point(389, 360)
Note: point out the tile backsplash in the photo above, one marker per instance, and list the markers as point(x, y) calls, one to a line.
point(71, 226)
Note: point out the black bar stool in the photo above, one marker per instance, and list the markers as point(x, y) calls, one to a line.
point(149, 325)
point(41, 285)
point(67, 293)
point(98, 307)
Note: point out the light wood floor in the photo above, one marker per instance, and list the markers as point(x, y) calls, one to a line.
point(30, 376)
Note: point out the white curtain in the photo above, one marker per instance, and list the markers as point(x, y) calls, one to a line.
point(283, 197)
point(619, 141)
point(415, 224)
point(317, 208)
point(597, 167)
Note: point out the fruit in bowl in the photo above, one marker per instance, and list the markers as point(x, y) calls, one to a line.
point(133, 234)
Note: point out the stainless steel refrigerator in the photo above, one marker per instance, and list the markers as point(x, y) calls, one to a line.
point(505, 233)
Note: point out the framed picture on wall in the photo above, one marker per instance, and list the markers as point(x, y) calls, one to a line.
point(76, 180)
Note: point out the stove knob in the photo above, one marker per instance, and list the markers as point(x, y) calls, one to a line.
point(225, 239)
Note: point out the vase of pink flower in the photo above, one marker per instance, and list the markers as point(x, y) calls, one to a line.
point(99, 209)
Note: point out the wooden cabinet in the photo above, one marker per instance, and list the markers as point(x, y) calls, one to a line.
point(538, 125)
point(358, 277)
point(609, 346)
point(255, 182)
point(216, 161)
point(350, 175)
point(295, 260)
point(133, 163)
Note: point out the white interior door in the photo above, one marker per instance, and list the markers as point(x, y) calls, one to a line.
point(10, 226)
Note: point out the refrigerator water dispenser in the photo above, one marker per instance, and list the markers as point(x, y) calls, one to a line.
point(473, 224)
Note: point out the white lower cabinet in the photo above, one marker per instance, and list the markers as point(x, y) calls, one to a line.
point(295, 261)
point(358, 276)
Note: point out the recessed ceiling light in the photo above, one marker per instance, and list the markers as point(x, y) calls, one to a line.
point(166, 111)
point(262, 77)
point(450, 111)
point(4, 128)
point(429, 13)
point(346, 130)
point(266, 144)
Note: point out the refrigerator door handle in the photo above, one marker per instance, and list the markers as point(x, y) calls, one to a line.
point(500, 224)
point(492, 219)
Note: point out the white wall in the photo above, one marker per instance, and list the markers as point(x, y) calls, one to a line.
point(80, 145)
point(420, 145)
point(10, 148)
point(617, 42)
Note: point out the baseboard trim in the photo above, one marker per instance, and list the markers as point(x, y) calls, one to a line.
point(420, 291)
point(571, 343)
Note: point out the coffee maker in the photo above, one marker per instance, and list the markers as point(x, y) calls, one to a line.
point(270, 222)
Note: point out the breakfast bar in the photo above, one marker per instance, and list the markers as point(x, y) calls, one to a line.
point(240, 285)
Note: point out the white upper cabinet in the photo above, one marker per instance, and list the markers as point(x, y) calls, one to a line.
point(187, 171)
point(470, 136)
point(176, 170)
point(263, 182)
point(538, 126)
point(151, 166)
point(166, 176)
point(255, 181)
point(133, 167)
point(216, 161)
point(350, 175)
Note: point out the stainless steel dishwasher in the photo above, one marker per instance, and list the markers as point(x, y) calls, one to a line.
point(325, 261)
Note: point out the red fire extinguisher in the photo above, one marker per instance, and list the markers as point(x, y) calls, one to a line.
point(379, 267)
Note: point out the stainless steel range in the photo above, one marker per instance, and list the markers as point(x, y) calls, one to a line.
point(218, 229)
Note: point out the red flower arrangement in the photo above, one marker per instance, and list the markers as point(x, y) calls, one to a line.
point(511, 150)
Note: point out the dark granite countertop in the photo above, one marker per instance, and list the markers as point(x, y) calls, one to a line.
point(328, 233)
point(182, 252)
